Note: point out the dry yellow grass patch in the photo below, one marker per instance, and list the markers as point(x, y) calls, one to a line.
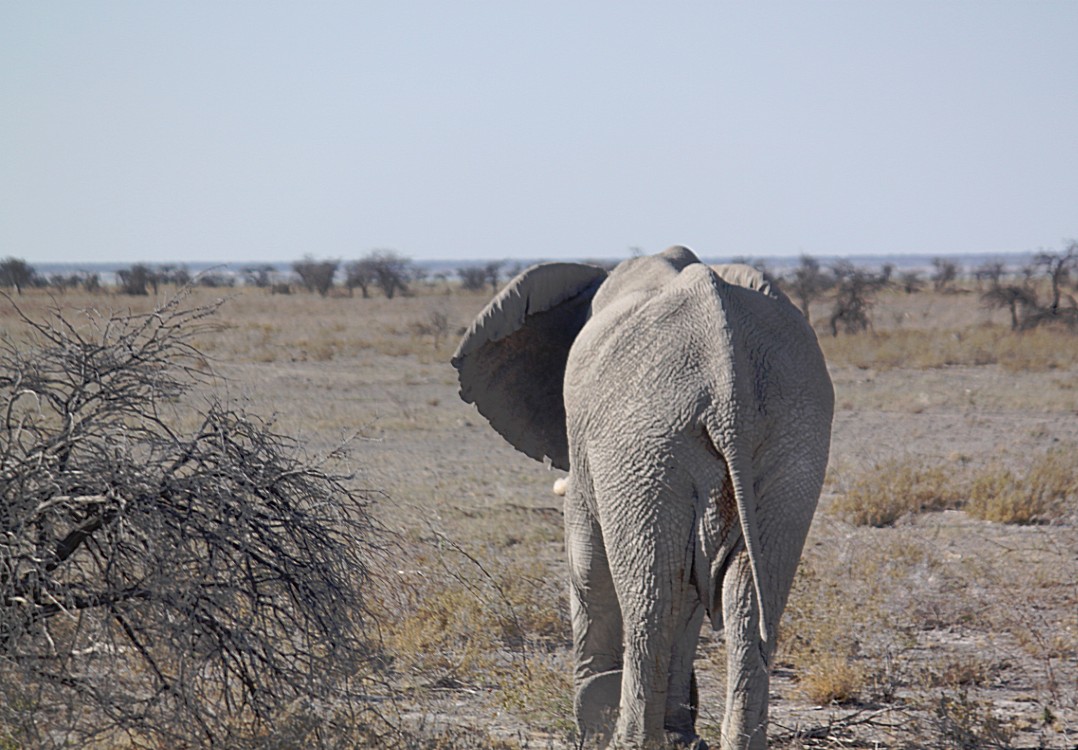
point(888, 491)
point(1037, 350)
point(1046, 491)
point(832, 678)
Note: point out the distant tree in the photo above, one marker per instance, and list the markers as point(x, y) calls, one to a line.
point(944, 273)
point(62, 282)
point(359, 273)
point(91, 282)
point(260, 276)
point(991, 272)
point(472, 278)
point(855, 291)
point(808, 283)
point(391, 272)
point(1058, 267)
point(16, 273)
point(911, 282)
point(1014, 298)
point(316, 275)
point(137, 279)
point(216, 280)
point(170, 274)
point(493, 271)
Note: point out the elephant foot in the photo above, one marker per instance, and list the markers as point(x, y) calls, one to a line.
point(596, 707)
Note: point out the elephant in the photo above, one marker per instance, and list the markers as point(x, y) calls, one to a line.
point(691, 407)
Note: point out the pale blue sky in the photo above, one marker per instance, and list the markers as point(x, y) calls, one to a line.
point(237, 131)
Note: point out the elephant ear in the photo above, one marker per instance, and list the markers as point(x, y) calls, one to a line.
point(750, 278)
point(511, 361)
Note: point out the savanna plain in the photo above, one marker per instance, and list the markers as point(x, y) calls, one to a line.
point(937, 600)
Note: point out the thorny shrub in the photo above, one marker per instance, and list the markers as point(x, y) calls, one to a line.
point(161, 585)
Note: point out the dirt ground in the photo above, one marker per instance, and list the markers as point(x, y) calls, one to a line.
point(956, 632)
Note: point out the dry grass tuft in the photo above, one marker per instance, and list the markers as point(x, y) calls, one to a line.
point(890, 490)
point(959, 722)
point(1047, 492)
point(832, 679)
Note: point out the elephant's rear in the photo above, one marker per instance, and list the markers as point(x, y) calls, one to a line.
point(698, 421)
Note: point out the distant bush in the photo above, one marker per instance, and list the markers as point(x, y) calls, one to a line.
point(855, 292)
point(386, 269)
point(392, 272)
point(910, 282)
point(316, 275)
point(1019, 300)
point(261, 276)
point(472, 278)
point(807, 283)
point(1059, 267)
point(137, 280)
point(16, 273)
point(944, 274)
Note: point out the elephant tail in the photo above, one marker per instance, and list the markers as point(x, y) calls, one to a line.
point(740, 475)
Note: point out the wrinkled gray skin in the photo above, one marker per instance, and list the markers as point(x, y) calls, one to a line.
point(692, 409)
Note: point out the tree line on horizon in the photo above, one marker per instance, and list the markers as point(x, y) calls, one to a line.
point(387, 271)
point(851, 288)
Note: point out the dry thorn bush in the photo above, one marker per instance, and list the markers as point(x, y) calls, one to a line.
point(166, 586)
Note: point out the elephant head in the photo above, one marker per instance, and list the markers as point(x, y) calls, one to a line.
point(692, 409)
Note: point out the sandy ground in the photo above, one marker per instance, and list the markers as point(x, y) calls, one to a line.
point(441, 466)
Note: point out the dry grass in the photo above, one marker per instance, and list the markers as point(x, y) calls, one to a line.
point(961, 629)
point(1039, 350)
point(832, 679)
point(890, 490)
point(1046, 492)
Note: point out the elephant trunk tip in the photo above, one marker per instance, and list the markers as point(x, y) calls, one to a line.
point(561, 485)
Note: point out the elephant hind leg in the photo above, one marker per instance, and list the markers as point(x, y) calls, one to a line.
point(682, 700)
point(596, 621)
point(745, 722)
